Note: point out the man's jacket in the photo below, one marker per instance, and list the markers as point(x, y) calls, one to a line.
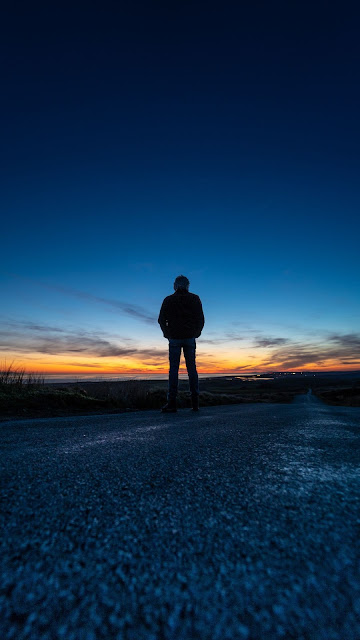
point(181, 315)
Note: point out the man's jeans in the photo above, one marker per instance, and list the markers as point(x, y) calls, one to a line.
point(189, 347)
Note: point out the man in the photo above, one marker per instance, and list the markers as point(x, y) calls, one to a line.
point(181, 320)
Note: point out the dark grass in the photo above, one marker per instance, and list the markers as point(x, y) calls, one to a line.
point(346, 397)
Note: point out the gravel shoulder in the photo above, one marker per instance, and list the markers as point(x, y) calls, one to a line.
point(241, 522)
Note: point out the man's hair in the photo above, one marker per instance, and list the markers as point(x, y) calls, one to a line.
point(181, 282)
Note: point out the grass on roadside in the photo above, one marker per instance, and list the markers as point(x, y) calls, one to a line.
point(15, 378)
point(25, 394)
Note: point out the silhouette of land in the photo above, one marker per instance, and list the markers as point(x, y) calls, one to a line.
point(37, 398)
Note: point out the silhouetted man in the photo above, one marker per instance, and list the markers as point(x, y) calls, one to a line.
point(181, 320)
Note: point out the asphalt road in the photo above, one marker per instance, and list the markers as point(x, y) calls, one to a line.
point(241, 522)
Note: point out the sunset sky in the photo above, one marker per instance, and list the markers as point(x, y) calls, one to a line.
point(146, 140)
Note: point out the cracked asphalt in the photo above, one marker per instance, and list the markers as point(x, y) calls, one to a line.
point(241, 522)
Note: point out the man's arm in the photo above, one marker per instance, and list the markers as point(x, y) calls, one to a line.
point(199, 317)
point(162, 318)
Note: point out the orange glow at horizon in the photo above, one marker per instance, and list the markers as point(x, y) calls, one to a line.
point(60, 365)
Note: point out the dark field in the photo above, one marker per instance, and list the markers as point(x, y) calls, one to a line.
point(36, 399)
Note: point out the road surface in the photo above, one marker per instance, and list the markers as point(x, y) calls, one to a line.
point(241, 522)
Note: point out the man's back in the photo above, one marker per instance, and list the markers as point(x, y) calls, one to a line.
point(181, 315)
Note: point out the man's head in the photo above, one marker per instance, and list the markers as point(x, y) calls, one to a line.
point(181, 282)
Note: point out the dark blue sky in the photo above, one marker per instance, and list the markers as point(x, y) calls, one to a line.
point(144, 140)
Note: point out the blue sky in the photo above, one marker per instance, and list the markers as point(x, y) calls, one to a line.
point(217, 142)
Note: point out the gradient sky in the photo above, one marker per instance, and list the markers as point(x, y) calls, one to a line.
point(146, 140)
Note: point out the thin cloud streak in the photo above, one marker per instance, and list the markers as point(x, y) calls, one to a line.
point(269, 342)
point(132, 310)
point(347, 340)
point(228, 337)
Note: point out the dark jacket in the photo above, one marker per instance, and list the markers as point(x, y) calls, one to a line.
point(181, 315)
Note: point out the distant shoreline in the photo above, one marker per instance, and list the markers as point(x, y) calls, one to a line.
point(152, 377)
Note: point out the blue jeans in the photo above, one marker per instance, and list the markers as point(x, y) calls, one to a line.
point(189, 347)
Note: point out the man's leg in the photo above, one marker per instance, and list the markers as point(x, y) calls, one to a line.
point(174, 361)
point(189, 346)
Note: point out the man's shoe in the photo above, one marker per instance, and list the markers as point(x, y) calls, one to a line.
point(195, 403)
point(169, 407)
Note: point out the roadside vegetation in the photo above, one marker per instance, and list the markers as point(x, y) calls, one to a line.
point(346, 397)
point(15, 378)
point(25, 394)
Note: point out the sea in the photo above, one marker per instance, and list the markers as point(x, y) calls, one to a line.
point(56, 378)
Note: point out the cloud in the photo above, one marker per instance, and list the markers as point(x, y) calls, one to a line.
point(351, 340)
point(132, 310)
point(90, 365)
point(31, 326)
point(330, 351)
point(235, 337)
point(228, 337)
point(29, 337)
point(269, 342)
point(243, 367)
point(34, 326)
